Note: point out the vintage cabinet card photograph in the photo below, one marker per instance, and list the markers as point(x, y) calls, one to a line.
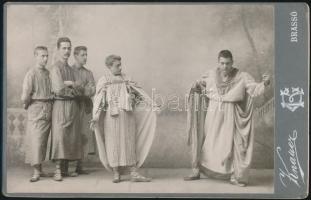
point(155, 100)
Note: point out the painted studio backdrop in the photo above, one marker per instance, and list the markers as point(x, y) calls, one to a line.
point(165, 48)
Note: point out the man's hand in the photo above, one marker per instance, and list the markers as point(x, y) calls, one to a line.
point(266, 79)
point(93, 123)
point(201, 83)
point(78, 83)
point(26, 104)
point(198, 85)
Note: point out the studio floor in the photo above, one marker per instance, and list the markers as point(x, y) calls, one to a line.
point(164, 181)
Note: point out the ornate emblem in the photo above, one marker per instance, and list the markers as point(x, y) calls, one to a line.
point(292, 100)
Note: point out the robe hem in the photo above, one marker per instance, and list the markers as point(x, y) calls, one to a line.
point(204, 165)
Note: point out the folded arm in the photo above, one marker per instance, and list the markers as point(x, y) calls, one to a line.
point(90, 89)
point(59, 87)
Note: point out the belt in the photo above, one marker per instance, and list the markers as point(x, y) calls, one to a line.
point(43, 100)
point(64, 99)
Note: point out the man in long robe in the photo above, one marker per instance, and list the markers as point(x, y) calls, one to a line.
point(220, 124)
point(37, 99)
point(124, 121)
point(84, 78)
point(66, 137)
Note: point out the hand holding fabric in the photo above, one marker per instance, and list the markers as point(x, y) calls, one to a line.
point(266, 79)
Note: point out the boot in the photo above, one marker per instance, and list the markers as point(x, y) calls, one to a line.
point(42, 174)
point(195, 175)
point(79, 168)
point(64, 168)
point(116, 175)
point(36, 174)
point(58, 172)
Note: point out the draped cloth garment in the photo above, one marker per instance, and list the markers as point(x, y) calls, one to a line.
point(127, 121)
point(220, 125)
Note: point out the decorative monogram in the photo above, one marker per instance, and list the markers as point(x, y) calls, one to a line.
point(294, 100)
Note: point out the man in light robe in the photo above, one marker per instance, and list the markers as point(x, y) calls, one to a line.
point(220, 124)
point(84, 78)
point(124, 121)
point(37, 100)
point(66, 137)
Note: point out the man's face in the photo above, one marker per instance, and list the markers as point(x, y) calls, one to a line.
point(116, 68)
point(64, 50)
point(81, 57)
point(41, 57)
point(225, 64)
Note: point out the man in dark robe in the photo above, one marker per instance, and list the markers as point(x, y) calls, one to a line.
point(66, 138)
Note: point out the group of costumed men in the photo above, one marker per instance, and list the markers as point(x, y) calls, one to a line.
point(67, 106)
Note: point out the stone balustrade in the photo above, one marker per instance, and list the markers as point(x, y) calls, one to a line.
point(16, 123)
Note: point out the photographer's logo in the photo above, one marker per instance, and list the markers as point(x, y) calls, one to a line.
point(292, 100)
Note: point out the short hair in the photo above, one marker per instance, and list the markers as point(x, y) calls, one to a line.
point(225, 54)
point(62, 39)
point(39, 48)
point(77, 49)
point(110, 59)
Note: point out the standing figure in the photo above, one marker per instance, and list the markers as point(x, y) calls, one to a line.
point(66, 137)
point(84, 78)
point(124, 122)
point(37, 100)
point(220, 123)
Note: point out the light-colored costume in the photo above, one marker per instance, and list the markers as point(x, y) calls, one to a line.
point(220, 124)
point(126, 126)
point(38, 98)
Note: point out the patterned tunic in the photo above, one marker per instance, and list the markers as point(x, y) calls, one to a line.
point(37, 94)
point(119, 121)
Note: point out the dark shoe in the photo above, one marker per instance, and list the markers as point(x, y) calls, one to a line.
point(81, 171)
point(192, 177)
point(233, 181)
point(64, 168)
point(136, 177)
point(78, 172)
point(74, 174)
point(116, 178)
point(35, 178)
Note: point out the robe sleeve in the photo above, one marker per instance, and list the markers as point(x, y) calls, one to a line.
point(27, 88)
point(138, 95)
point(99, 98)
point(253, 88)
point(90, 89)
point(58, 86)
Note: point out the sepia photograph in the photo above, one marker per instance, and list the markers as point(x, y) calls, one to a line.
point(116, 98)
